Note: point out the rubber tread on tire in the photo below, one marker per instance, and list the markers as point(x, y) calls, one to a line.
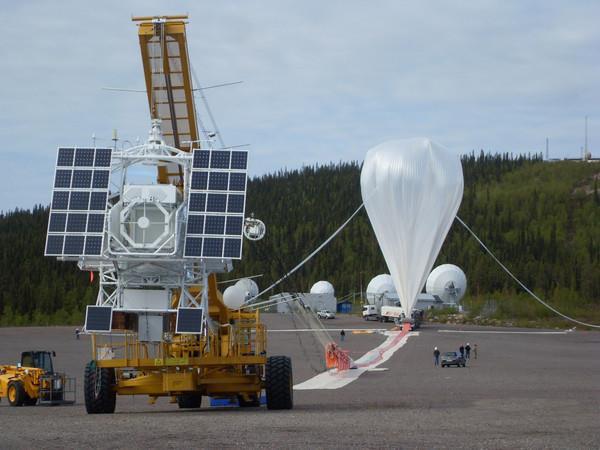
point(100, 398)
point(193, 400)
point(20, 394)
point(279, 383)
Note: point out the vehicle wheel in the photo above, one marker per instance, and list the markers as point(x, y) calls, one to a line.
point(16, 393)
point(279, 383)
point(188, 401)
point(98, 389)
point(252, 402)
point(30, 401)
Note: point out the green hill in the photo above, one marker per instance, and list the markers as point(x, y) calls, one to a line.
point(541, 219)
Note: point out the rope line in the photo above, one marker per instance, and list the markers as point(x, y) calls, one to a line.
point(554, 310)
point(309, 257)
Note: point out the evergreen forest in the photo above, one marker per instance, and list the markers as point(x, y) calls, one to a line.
point(542, 220)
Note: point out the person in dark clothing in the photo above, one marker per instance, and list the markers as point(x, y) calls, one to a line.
point(462, 350)
point(342, 335)
point(468, 351)
point(77, 333)
point(436, 357)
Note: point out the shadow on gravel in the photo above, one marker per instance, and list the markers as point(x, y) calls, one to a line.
point(413, 403)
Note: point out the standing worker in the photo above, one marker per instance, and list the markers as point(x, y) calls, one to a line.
point(436, 357)
point(468, 351)
point(77, 333)
point(462, 350)
point(475, 350)
point(342, 335)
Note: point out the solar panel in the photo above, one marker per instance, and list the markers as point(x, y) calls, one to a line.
point(58, 221)
point(62, 179)
point(216, 204)
point(95, 223)
point(218, 181)
point(79, 200)
point(234, 225)
point(98, 201)
point(201, 158)
point(193, 247)
point(54, 244)
point(84, 157)
point(60, 200)
point(81, 179)
point(73, 245)
point(239, 160)
point(98, 318)
point(199, 180)
point(189, 321)
point(76, 223)
point(233, 248)
point(219, 159)
point(65, 157)
point(101, 179)
point(195, 225)
point(93, 245)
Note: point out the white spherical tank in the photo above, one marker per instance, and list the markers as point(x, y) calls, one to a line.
point(447, 282)
point(248, 286)
point(234, 297)
point(322, 287)
point(379, 285)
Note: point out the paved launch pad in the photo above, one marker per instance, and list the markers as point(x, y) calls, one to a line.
point(525, 390)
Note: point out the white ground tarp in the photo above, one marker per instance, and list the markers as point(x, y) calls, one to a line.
point(411, 190)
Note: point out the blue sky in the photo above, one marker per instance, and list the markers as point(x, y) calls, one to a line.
point(323, 81)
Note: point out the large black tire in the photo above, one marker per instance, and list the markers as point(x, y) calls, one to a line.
point(16, 393)
point(98, 389)
point(192, 400)
point(279, 383)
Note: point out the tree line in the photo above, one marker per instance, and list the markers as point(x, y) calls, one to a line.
point(541, 219)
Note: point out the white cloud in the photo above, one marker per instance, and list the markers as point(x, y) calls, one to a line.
point(323, 81)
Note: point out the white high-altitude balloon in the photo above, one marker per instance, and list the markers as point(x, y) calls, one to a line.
point(411, 189)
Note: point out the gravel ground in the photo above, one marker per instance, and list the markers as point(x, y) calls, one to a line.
point(523, 391)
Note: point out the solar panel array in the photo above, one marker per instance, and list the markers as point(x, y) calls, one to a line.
point(216, 203)
point(98, 318)
point(79, 198)
point(189, 321)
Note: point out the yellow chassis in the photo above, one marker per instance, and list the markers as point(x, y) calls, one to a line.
point(225, 363)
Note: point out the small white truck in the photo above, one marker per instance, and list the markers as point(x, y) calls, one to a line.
point(381, 314)
point(391, 314)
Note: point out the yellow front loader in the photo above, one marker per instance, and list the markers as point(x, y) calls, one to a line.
point(34, 381)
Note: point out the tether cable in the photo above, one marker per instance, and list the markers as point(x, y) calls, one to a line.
point(309, 257)
point(529, 291)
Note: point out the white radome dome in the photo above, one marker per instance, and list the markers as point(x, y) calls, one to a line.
point(381, 284)
point(448, 282)
point(234, 297)
point(248, 286)
point(322, 287)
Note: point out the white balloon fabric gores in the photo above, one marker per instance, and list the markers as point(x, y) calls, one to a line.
point(411, 189)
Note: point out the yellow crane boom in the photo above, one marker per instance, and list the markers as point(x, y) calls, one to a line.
point(169, 88)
